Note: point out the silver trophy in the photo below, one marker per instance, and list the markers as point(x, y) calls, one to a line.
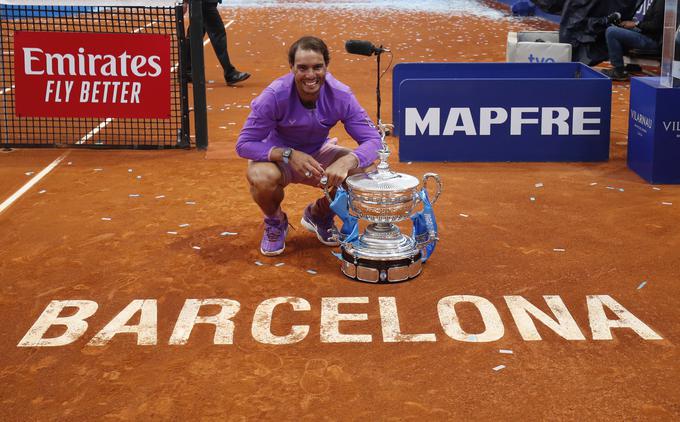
point(383, 254)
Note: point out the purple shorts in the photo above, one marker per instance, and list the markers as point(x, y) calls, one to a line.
point(326, 155)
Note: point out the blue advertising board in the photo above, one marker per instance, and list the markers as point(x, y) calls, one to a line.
point(502, 112)
point(654, 131)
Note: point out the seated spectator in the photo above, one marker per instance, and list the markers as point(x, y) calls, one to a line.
point(629, 34)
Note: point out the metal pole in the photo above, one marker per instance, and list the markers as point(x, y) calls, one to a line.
point(198, 74)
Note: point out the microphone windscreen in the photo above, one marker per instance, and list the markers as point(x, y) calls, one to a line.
point(365, 48)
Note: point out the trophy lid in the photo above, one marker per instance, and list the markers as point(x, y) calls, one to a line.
point(375, 181)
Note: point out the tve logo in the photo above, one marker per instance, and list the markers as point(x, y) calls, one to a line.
point(535, 59)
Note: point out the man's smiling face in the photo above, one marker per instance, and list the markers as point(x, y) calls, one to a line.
point(309, 70)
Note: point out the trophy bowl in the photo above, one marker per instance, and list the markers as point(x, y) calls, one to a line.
point(386, 197)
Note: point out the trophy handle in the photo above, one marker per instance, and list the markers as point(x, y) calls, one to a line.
point(438, 180)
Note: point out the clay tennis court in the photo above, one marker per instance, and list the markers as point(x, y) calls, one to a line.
point(114, 227)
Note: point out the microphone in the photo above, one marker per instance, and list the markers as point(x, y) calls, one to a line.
point(365, 48)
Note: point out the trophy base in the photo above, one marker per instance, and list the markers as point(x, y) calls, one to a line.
point(383, 270)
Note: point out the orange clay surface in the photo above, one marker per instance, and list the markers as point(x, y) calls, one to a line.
point(610, 228)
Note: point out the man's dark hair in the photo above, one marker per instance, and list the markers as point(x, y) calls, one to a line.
point(309, 43)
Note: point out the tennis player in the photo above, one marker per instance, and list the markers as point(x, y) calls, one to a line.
point(285, 139)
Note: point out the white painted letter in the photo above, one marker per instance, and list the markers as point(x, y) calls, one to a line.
point(331, 317)
point(462, 113)
point(390, 324)
point(517, 120)
point(565, 327)
point(493, 326)
point(548, 120)
point(146, 330)
point(75, 324)
point(413, 119)
point(601, 326)
point(485, 119)
point(188, 317)
point(580, 120)
point(262, 321)
point(28, 58)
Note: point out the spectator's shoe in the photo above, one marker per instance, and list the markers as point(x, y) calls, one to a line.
point(616, 74)
point(274, 238)
point(323, 227)
point(235, 77)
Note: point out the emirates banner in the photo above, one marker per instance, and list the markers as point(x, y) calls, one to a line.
point(61, 74)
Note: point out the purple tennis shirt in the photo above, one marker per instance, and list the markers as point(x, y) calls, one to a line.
point(278, 119)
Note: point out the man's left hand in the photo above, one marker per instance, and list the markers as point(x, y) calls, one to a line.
point(337, 172)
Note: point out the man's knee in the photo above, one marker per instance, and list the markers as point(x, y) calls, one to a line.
point(264, 176)
point(611, 33)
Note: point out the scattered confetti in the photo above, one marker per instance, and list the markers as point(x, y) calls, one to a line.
point(620, 189)
point(532, 199)
point(190, 203)
point(28, 173)
point(311, 272)
point(464, 215)
point(410, 162)
point(129, 170)
point(198, 248)
point(655, 188)
point(228, 234)
point(505, 351)
point(42, 191)
point(139, 177)
point(499, 367)
point(539, 185)
point(160, 196)
point(172, 232)
point(642, 285)
point(184, 225)
point(106, 218)
point(134, 195)
point(279, 264)
point(593, 184)
point(98, 169)
point(666, 203)
point(69, 163)
point(258, 263)
point(610, 187)
point(559, 249)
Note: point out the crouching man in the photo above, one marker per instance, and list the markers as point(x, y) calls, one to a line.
point(285, 139)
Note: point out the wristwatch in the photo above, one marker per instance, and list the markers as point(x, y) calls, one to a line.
point(286, 154)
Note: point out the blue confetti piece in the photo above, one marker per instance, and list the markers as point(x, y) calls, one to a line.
point(642, 285)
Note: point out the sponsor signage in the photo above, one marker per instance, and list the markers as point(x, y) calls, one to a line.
point(503, 112)
point(70, 74)
point(654, 131)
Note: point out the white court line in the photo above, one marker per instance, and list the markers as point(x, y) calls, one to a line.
point(143, 27)
point(9, 201)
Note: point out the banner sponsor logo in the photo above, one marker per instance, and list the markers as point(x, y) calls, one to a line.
point(60, 74)
point(488, 120)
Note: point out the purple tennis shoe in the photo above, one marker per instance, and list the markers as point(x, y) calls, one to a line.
point(274, 238)
point(323, 227)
